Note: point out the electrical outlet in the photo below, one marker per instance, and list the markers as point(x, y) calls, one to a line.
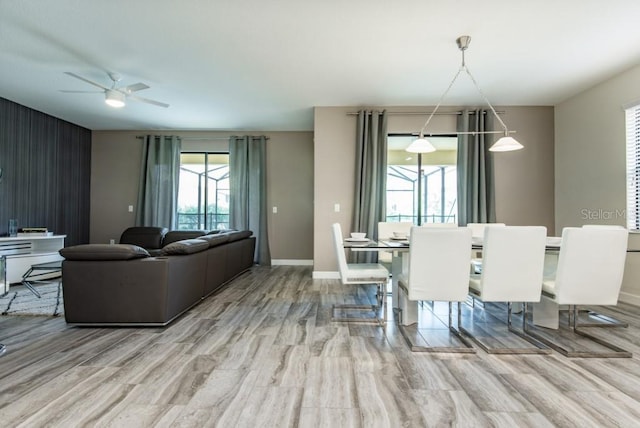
point(130, 208)
point(336, 208)
point(112, 241)
point(275, 210)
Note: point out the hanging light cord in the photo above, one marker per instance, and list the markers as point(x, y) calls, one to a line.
point(464, 67)
point(506, 131)
point(440, 101)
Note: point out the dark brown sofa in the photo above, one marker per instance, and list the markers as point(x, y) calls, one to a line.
point(123, 285)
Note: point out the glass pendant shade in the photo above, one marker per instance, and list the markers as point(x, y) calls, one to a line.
point(506, 144)
point(421, 145)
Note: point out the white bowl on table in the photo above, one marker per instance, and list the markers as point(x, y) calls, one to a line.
point(358, 235)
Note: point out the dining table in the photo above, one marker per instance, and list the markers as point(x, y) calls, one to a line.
point(545, 313)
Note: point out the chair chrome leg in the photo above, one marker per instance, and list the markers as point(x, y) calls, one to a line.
point(615, 351)
point(540, 347)
point(380, 319)
point(3, 349)
point(467, 349)
point(605, 321)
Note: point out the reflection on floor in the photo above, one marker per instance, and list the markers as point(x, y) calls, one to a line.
point(264, 352)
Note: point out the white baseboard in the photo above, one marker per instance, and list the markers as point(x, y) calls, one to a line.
point(291, 262)
point(325, 275)
point(632, 299)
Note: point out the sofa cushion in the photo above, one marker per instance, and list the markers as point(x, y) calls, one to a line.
point(103, 252)
point(215, 240)
point(144, 236)
point(217, 231)
point(238, 235)
point(186, 246)
point(179, 235)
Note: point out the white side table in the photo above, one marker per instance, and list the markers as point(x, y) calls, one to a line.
point(23, 252)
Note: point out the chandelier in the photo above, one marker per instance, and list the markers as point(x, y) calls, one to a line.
point(504, 144)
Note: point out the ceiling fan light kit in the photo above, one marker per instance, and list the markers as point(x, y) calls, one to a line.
point(114, 98)
point(504, 144)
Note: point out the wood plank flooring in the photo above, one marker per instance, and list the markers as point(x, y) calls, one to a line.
point(263, 352)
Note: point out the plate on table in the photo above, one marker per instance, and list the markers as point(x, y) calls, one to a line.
point(399, 238)
point(396, 243)
point(356, 239)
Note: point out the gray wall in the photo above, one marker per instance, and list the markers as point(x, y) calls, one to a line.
point(524, 179)
point(115, 170)
point(45, 181)
point(590, 153)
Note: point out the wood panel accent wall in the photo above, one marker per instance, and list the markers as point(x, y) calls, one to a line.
point(46, 172)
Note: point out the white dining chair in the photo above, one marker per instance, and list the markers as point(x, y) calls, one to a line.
point(512, 271)
point(589, 272)
point(438, 271)
point(385, 232)
point(602, 320)
point(477, 234)
point(360, 273)
point(477, 229)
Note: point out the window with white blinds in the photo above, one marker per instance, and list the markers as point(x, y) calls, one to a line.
point(633, 167)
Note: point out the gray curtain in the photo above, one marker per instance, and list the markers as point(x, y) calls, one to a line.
point(371, 178)
point(476, 194)
point(160, 173)
point(247, 179)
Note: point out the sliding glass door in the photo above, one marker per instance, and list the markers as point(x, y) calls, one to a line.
point(203, 196)
point(438, 201)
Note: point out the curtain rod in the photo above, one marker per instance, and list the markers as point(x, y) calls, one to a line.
point(203, 138)
point(419, 113)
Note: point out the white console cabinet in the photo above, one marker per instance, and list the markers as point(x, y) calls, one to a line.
point(23, 252)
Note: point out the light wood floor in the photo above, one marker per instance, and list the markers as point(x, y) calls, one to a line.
point(263, 352)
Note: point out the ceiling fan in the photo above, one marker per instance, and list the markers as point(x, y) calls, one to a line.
point(115, 96)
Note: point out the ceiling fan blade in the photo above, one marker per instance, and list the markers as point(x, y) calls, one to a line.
point(148, 101)
point(86, 80)
point(135, 87)
point(67, 91)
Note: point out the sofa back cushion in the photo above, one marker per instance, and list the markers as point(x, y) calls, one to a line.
point(215, 240)
point(144, 236)
point(186, 246)
point(179, 235)
point(103, 252)
point(238, 235)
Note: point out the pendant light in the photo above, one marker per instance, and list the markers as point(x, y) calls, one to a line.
point(504, 144)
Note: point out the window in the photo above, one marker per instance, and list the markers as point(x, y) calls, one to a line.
point(439, 181)
point(203, 195)
point(633, 167)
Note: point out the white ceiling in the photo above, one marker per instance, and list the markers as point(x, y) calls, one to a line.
point(263, 65)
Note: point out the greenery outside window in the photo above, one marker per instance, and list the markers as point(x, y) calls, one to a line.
point(203, 196)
